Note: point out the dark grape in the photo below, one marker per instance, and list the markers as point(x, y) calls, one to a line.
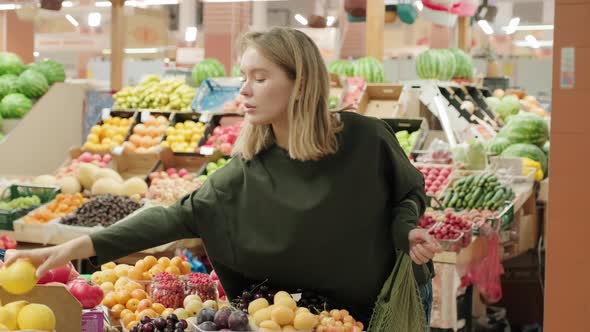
point(146, 319)
point(173, 318)
point(183, 324)
point(258, 296)
point(246, 295)
point(264, 289)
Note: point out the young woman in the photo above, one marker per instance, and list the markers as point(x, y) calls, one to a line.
point(311, 200)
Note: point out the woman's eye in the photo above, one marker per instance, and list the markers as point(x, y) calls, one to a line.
point(260, 80)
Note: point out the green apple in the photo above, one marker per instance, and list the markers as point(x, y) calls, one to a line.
point(211, 167)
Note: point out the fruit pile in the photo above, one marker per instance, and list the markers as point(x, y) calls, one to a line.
point(482, 191)
point(338, 321)
point(103, 210)
point(147, 136)
point(234, 106)
point(223, 138)
point(167, 289)
point(314, 302)
point(444, 64)
point(108, 135)
point(255, 292)
point(168, 186)
point(283, 315)
point(435, 178)
point(22, 315)
point(225, 319)
point(153, 93)
point(160, 324)
point(63, 205)
point(86, 157)
point(201, 284)
point(407, 140)
point(184, 136)
point(212, 167)
point(20, 202)
point(426, 221)
point(473, 217)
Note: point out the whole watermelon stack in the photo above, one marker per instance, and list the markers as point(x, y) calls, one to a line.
point(464, 64)
point(32, 83)
point(448, 67)
point(15, 105)
point(497, 145)
point(529, 151)
point(369, 68)
point(235, 71)
point(11, 63)
point(8, 85)
point(206, 69)
point(51, 69)
point(428, 64)
point(526, 128)
point(341, 67)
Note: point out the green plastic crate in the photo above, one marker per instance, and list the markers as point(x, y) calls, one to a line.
point(46, 194)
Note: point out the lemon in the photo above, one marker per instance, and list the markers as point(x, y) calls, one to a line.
point(18, 278)
point(8, 319)
point(36, 317)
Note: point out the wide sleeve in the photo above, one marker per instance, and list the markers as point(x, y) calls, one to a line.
point(155, 226)
point(406, 183)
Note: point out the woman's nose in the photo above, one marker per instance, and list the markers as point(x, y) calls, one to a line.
point(246, 90)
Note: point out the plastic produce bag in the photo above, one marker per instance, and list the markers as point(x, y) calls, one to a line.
point(399, 307)
point(485, 274)
point(472, 155)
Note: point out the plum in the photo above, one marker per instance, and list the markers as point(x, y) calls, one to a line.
point(208, 326)
point(206, 315)
point(238, 321)
point(222, 318)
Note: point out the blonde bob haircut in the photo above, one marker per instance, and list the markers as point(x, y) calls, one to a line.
point(312, 127)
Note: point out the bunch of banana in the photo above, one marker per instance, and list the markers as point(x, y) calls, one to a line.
point(153, 93)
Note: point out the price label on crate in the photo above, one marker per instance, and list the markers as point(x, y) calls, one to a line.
point(205, 117)
point(105, 114)
point(207, 150)
point(145, 115)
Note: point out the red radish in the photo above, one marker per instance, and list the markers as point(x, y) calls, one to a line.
point(171, 171)
point(107, 158)
point(182, 172)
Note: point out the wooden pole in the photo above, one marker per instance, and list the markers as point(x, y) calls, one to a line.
point(464, 34)
point(375, 25)
point(117, 44)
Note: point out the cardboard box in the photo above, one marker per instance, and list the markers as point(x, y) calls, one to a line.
point(380, 101)
point(67, 310)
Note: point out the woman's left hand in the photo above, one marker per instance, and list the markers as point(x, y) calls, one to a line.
point(423, 246)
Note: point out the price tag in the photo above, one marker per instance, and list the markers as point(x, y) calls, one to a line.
point(145, 115)
point(207, 150)
point(205, 117)
point(105, 114)
point(118, 150)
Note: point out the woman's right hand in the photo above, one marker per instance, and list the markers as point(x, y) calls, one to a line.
point(46, 259)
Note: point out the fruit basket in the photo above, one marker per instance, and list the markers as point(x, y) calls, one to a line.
point(43, 194)
point(171, 290)
point(213, 93)
point(448, 240)
point(221, 134)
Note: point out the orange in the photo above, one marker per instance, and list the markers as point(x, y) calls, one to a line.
point(158, 307)
point(123, 296)
point(150, 261)
point(132, 304)
point(176, 261)
point(144, 304)
point(164, 261)
point(116, 310)
point(127, 312)
point(110, 299)
point(173, 269)
point(135, 273)
point(185, 268)
point(139, 294)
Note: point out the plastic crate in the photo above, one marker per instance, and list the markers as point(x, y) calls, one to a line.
point(7, 217)
point(213, 93)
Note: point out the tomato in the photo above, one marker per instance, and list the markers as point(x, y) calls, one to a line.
point(87, 294)
point(60, 274)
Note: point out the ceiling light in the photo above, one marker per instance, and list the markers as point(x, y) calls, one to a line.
point(541, 43)
point(419, 5)
point(533, 42)
point(486, 27)
point(302, 20)
point(67, 4)
point(330, 20)
point(102, 4)
point(534, 27)
point(35, 54)
point(72, 20)
point(8, 6)
point(511, 28)
point(135, 51)
point(190, 34)
point(222, 1)
point(94, 19)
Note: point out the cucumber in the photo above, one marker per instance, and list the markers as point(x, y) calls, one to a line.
point(498, 196)
point(489, 196)
point(478, 192)
point(454, 200)
point(447, 199)
point(469, 180)
point(480, 201)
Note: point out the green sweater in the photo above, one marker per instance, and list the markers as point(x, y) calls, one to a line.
point(330, 226)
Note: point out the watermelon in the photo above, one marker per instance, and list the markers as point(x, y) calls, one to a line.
point(526, 128)
point(235, 71)
point(448, 66)
point(507, 107)
point(1, 137)
point(529, 151)
point(369, 68)
point(32, 83)
point(341, 67)
point(52, 70)
point(206, 69)
point(11, 63)
point(8, 85)
point(546, 148)
point(427, 65)
point(492, 102)
point(464, 64)
point(497, 145)
point(15, 105)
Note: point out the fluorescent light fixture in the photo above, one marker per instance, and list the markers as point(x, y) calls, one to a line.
point(533, 42)
point(94, 19)
point(102, 4)
point(302, 20)
point(135, 51)
point(541, 43)
point(419, 5)
point(486, 27)
point(535, 27)
point(190, 34)
point(67, 4)
point(8, 6)
point(330, 20)
point(222, 1)
point(35, 54)
point(72, 20)
point(511, 28)
point(145, 3)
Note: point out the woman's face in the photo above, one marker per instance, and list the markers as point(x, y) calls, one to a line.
point(266, 89)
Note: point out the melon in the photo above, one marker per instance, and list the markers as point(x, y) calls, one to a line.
point(69, 185)
point(369, 68)
point(463, 63)
point(206, 69)
point(52, 70)
point(448, 65)
point(428, 64)
point(32, 83)
point(45, 180)
point(341, 67)
point(107, 186)
point(134, 186)
point(527, 150)
point(526, 128)
point(497, 145)
point(86, 174)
